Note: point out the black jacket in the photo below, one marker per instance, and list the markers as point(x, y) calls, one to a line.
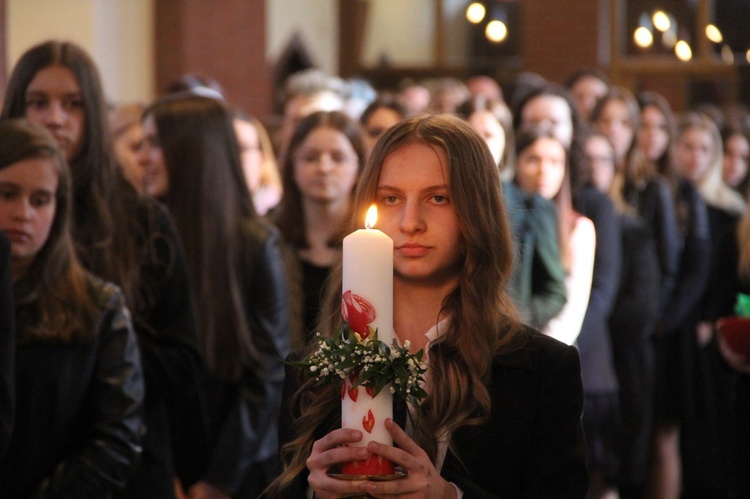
point(594, 343)
point(533, 444)
point(241, 430)
point(167, 339)
point(7, 347)
point(79, 424)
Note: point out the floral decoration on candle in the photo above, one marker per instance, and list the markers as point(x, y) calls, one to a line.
point(367, 362)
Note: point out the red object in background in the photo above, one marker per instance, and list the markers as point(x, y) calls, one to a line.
point(736, 332)
point(374, 465)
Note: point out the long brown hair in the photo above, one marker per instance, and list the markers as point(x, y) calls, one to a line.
point(483, 319)
point(104, 221)
point(292, 215)
point(53, 300)
point(209, 201)
point(566, 216)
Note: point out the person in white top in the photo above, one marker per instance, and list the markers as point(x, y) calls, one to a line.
point(542, 168)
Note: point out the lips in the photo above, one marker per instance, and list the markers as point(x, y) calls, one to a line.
point(17, 236)
point(412, 250)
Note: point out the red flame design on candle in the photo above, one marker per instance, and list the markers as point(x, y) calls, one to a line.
point(358, 313)
point(368, 421)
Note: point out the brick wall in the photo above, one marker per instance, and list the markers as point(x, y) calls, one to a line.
point(225, 40)
point(560, 36)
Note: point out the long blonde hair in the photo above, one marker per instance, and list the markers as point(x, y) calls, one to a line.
point(711, 186)
point(484, 320)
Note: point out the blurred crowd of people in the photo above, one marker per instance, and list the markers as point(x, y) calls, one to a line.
point(166, 257)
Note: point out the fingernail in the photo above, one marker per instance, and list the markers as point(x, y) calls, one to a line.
point(356, 434)
point(363, 453)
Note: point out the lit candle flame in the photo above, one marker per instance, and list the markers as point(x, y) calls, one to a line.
point(371, 217)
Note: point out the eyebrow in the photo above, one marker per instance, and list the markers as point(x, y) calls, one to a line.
point(9, 183)
point(44, 94)
point(438, 187)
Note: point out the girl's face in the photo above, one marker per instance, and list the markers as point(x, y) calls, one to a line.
point(27, 207)
point(380, 120)
point(325, 166)
point(151, 158)
point(491, 130)
point(614, 122)
point(586, 92)
point(736, 158)
point(415, 209)
point(555, 111)
point(540, 168)
point(601, 161)
point(250, 153)
point(54, 100)
point(126, 147)
point(694, 150)
point(653, 136)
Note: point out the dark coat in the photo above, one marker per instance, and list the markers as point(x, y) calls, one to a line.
point(594, 344)
point(653, 203)
point(240, 431)
point(7, 346)
point(168, 342)
point(533, 443)
point(631, 325)
point(79, 422)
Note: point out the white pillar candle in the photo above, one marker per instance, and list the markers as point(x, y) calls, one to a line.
point(367, 306)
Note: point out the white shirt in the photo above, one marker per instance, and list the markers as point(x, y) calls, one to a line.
point(566, 325)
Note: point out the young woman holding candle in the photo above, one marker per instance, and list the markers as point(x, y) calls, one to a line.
point(503, 414)
point(79, 385)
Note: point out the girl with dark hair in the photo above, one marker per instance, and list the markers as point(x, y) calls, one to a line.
point(502, 415)
point(617, 116)
point(118, 236)
point(736, 164)
point(542, 168)
point(379, 116)
point(319, 172)
point(493, 120)
point(236, 269)
point(655, 135)
point(79, 385)
point(587, 86)
point(553, 105)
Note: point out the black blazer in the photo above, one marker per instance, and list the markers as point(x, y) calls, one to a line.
point(533, 444)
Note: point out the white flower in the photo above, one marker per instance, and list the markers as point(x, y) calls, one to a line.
point(313, 368)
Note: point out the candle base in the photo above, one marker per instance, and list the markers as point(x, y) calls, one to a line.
point(373, 466)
